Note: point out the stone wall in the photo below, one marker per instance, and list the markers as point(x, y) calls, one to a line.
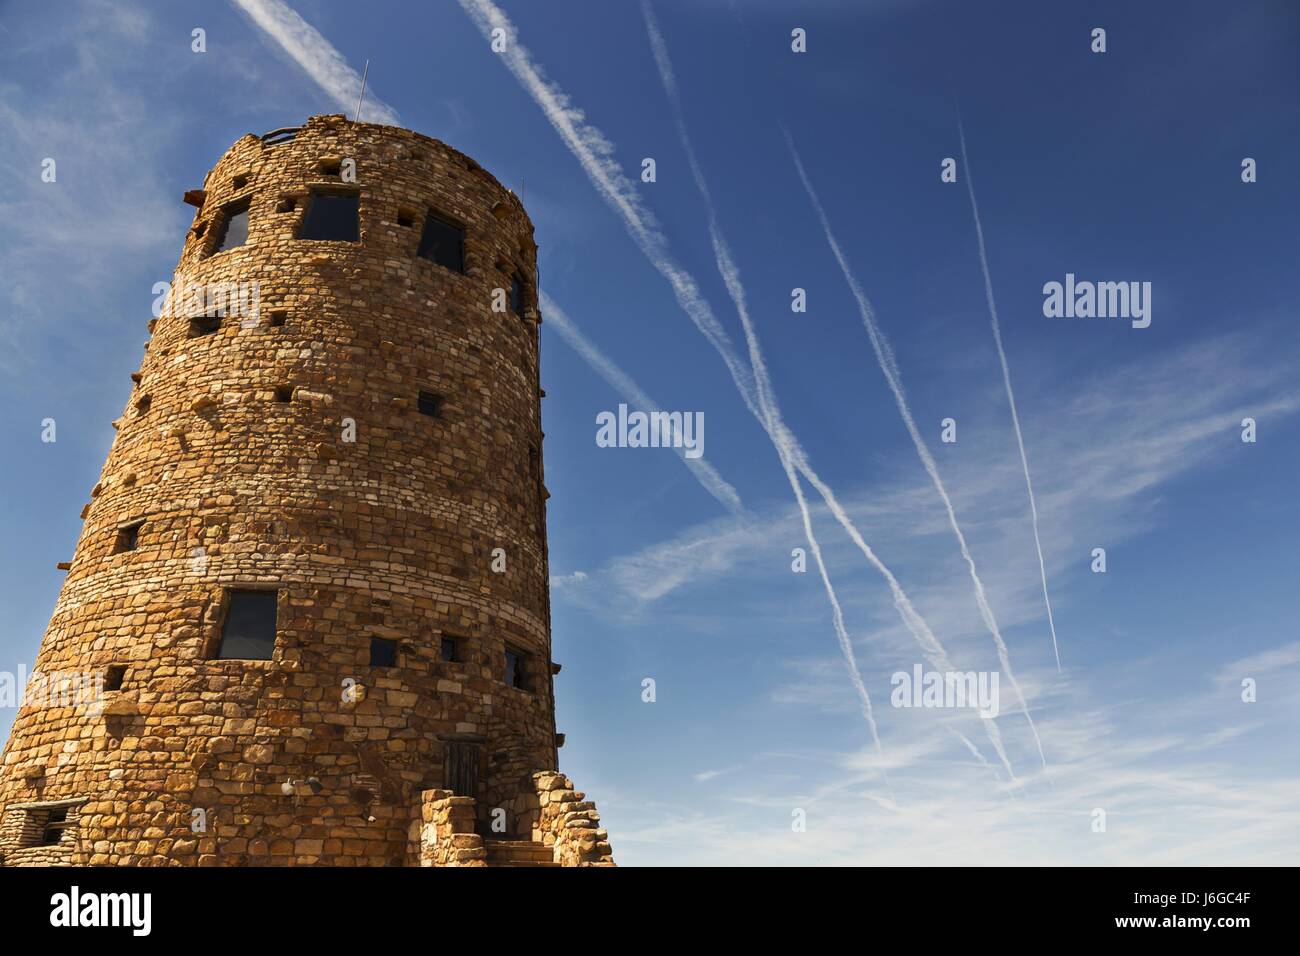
point(234, 451)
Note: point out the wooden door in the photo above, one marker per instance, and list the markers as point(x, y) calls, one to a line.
point(460, 772)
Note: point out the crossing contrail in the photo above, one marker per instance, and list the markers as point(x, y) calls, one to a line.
point(730, 273)
point(889, 366)
point(1006, 380)
point(622, 383)
point(595, 155)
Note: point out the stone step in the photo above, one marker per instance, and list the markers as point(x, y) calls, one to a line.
point(518, 853)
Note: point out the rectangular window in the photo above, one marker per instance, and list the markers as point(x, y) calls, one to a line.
point(234, 227)
point(450, 649)
point(249, 630)
point(55, 823)
point(429, 404)
point(113, 676)
point(383, 652)
point(204, 325)
point(516, 295)
point(443, 242)
point(515, 674)
point(128, 537)
point(331, 216)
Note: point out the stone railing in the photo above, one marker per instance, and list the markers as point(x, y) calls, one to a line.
point(566, 821)
point(447, 836)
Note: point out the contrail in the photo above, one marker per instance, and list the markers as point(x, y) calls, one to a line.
point(622, 383)
point(316, 55)
point(1006, 380)
point(766, 396)
point(888, 365)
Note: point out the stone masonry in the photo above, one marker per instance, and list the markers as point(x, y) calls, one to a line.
point(365, 443)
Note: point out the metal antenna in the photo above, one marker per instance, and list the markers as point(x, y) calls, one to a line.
point(357, 119)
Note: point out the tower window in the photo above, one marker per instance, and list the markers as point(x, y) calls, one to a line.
point(429, 404)
point(284, 393)
point(516, 668)
point(142, 404)
point(516, 294)
point(331, 216)
point(249, 630)
point(204, 325)
point(128, 537)
point(450, 649)
point(114, 674)
point(443, 242)
point(278, 318)
point(55, 823)
point(234, 227)
point(383, 652)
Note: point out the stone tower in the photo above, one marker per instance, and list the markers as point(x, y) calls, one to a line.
point(307, 620)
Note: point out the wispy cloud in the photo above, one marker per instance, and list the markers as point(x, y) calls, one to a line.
point(318, 58)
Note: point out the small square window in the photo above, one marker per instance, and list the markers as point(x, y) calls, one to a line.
point(114, 674)
point(331, 216)
point(142, 404)
point(128, 537)
point(248, 633)
point(430, 404)
point(238, 182)
point(405, 218)
point(284, 393)
point(443, 242)
point(56, 821)
point(204, 325)
point(286, 204)
point(450, 649)
point(234, 227)
point(329, 167)
point(516, 668)
point(383, 652)
point(278, 318)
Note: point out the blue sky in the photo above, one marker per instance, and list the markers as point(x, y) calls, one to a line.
point(1119, 166)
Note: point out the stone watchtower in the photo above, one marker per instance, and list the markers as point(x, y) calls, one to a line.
point(307, 620)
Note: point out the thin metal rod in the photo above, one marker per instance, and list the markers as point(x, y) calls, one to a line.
point(357, 118)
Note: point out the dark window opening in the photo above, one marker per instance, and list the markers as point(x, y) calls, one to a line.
point(128, 538)
point(204, 325)
point(405, 218)
point(443, 242)
point(249, 630)
point(331, 216)
point(383, 652)
point(278, 317)
point(429, 404)
point(284, 393)
point(450, 649)
point(238, 182)
point(517, 295)
point(55, 823)
point(286, 204)
point(329, 167)
point(234, 227)
point(277, 136)
point(142, 404)
point(113, 676)
point(515, 674)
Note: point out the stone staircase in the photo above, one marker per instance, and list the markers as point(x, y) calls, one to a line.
point(518, 853)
